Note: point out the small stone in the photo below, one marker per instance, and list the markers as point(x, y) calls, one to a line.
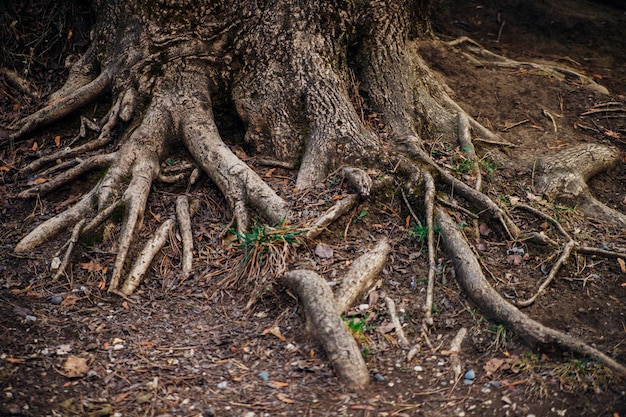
point(222, 384)
point(379, 378)
point(30, 318)
point(470, 374)
point(56, 299)
point(493, 384)
point(418, 368)
point(264, 375)
point(468, 381)
point(506, 399)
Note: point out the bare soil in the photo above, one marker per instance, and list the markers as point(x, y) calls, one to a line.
point(189, 348)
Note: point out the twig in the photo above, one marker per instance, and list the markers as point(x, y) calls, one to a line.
point(408, 205)
point(507, 128)
point(549, 116)
point(391, 306)
point(586, 250)
point(455, 349)
point(70, 247)
point(429, 197)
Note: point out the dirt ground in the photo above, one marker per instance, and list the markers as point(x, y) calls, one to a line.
point(190, 348)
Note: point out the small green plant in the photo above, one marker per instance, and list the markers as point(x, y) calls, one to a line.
point(358, 327)
point(419, 232)
point(500, 336)
point(266, 250)
point(360, 217)
point(488, 166)
point(463, 167)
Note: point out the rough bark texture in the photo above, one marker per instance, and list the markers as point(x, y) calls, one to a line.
point(289, 69)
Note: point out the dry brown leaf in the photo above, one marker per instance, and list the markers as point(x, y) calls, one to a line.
point(5, 168)
point(15, 360)
point(622, 264)
point(324, 251)
point(75, 367)
point(34, 147)
point(493, 365)
point(269, 172)
point(276, 332)
point(91, 266)
point(283, 398)
point(279, 384)
point(57, 141)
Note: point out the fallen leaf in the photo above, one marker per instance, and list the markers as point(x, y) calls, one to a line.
point(622, 264)
point(75, 367)
point(324, 251)
point(57, 141)
point(283, 398)
point(91, 266)
point(34, 147)
point(40, 180)
point(15, 360)
point(484, 229)
point(514, 259)
point(269, 172)
point(276, 332)
point(125, 306)
point(493, 365)
point(385, 328)
point(5, 168)
point(69, 302)
point(279, 384)
point(612, 134)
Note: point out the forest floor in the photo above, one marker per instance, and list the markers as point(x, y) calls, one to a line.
point(190, 347)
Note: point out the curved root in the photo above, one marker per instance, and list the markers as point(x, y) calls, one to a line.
point(473, 281)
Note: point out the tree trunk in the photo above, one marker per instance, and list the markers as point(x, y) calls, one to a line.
point(296, 72)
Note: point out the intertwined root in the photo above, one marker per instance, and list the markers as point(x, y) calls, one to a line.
point(131, 170)
point(296, 106)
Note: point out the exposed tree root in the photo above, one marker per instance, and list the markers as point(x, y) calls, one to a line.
point(294, 100)
point(471, 278)
point(563, 178)
point(143, 261)
point(483, 57)
point(361, 275)
point(325, 324)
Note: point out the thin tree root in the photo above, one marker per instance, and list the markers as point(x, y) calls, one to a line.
point(429, 204)
point(184, 226)
point(143, 261)
point(473, 281)
point(90, 164)
point(70, 248)
point(340, 208)
point(467, 147)
point(361, 275)
point(476, 197)
point(64, 106)
point(567, 250)
point(104, 138)
point(483, 57)
point(325, 325)
point(391, 307)
point(586, 250)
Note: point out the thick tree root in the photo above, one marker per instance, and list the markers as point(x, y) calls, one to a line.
point(455, 352)
point(563, 178)
point(340, 208)
point(326, 326)
point(391, 307)
point(473, 281)
point(361, 275)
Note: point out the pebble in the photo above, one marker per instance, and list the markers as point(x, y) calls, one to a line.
point(56, 299)
point(222, 384)
point(470, 374)
point(30, 318)
point(379, 377)
point(418, 368)
point(264, 375)
point(468, 381)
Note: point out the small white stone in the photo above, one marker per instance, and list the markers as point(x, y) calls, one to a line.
point(418, 368)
